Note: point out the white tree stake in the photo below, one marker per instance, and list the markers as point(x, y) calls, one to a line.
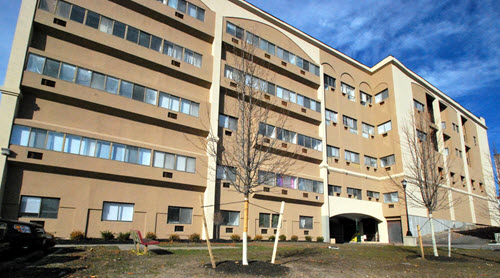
point(278, 232)
point(449, 242)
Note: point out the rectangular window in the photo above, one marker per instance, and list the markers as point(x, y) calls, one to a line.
point(126, 89)
point(51, 68)
point(119, 29)
point(138, 92)
point(329, 81)
point(387, 161)
point(421, 135)
point(83, 77)
point(365, 98)
point(368, 130)
point(331, 116)
point(381, 96)
point(63, 9)
point(144, 39)
point(106, 25)
point(446, 151)
point(391, 197)
point(179, 215)
point(305, 222)
point(35, 63)
point(373, 194)
point(78, 14)
point(354, 192)
point(98, 81)
point(226, 173)
point(264, 220)
point(230, 218)
point(67, 72)
point(156, 43)
point(103, 149)
point(117, 212)
point(228, 122)
point(267, 178)
point(351, 123)
point(20, 135)
point(370, 161)
point(88, 147)
point(37, 138)
point(385, 127)
point(72, 144)
point(332, 151)
point(172, 161)
point(112, 85)
point(334, 189)
point(47, 5)
point(352, 157)
point(39, 207)
point(348, 90)
point(234, 30)
point(55, 141)
point(132, 34)
point(92, 19)
point(419, 106)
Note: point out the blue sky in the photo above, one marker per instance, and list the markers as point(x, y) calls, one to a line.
point(455, 45)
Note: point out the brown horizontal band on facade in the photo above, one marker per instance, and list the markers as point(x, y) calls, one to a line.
point(277, 107)
point(122, 113)
point(287, 198)
point(117, 53)
point(103, 176)
point(163, 18)
point(283, 70)
point(281, 152)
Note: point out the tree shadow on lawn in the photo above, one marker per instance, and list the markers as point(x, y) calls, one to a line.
point(298, 254)
point(58, 260)
point(476, 257)
point(160, 252)
point(68, 250)
point(43, 272)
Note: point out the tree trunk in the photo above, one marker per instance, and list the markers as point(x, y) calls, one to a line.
point(244, 260)
point(434, 247)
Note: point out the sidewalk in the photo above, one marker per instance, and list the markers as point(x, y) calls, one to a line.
point(126, 247)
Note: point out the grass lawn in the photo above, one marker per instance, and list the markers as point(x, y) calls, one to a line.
point(303, 260)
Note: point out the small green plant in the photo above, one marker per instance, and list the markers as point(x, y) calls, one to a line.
point(77, 235)
point(123, 236)
point(107, 235)
point(151, 235)
point(294, 238)
point(174, 238)
point(235, 237)
point(257, 238)
point(320, 239)
point(249, 238)
point(309, 238)
point(282, 237)
point(194, 237)
point(272, 237)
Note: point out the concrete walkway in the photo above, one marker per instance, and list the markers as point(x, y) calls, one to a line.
point(151, 247)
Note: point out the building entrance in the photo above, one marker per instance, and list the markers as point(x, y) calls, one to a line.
point(353, 227)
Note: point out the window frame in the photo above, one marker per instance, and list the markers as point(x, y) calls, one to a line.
point(179, 222)
point(119, 204)
point(40, 207)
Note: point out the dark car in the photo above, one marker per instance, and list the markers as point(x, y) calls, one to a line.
point(17, 235)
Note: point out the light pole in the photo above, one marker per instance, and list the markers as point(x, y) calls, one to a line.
point(408, 233)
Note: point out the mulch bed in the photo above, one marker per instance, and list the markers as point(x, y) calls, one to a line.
point(257, 268)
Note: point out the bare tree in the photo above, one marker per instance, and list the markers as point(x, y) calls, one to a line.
point(257, 140)
point(426, 171)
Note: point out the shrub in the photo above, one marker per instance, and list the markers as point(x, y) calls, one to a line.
point(257, 238)
point(249, 238)
point(235, 238)
point(309, 238)
point(123, 236)
point(107, 235)
point(77, 235)
point(282, 237)
point(272, 237)
point(320, 239)
point(174, 237)
point(151, 235)
point(194, 237)
point(294, 238)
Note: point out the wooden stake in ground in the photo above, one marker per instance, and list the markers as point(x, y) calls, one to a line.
point(278, 232)
point(420, 239)
point(449, 242)
point(212, 260)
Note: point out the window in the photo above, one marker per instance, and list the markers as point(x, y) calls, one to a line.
point(385, 127)
point(267, 46)
point(48, 5)
point(51, 68)
point(352, 157)
point(39, 207)
point(196, 12)
point(55, 141)
point(267, 130)
point(174, 162)
point(370, 161)
point(332, 151)
point(446, 151)
point(179, 215)
point(334, 189)
point(119, 29)
point(267, 220)
point(367, 130)
point(305, 222)
point(253, 39)
point(226, 173)
point(309, 142)
point(228, 122)
point(331, 116)
point(267, 178)
point(287, 182)
point(421, 135)
point(192, 58)
point(35, 63)
point(381, 96)
point(172, 50)
point(419, 106)
point(351, 123)
point(354, 192)
point(310, 185)
point(348, 90)
point(329, 81)
point(37, 138)
point(179, 5)
point(92, 19)
point(234, 30)
point(365, 98)
point(83, 77)
point(373, 194)
point(391, 197)
point(106, 25)
point(67, 72)
point(117, 212)
point(230, 218)
point(63, 9)
point(387, 161)
point(169, 102)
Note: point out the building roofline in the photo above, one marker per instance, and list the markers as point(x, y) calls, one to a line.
point(388, 60)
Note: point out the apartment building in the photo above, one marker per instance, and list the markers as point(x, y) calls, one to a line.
point(107, 105)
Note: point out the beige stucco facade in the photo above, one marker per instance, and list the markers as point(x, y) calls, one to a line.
point(86, 187)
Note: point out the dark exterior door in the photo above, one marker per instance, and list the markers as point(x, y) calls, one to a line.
point(395, 232)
